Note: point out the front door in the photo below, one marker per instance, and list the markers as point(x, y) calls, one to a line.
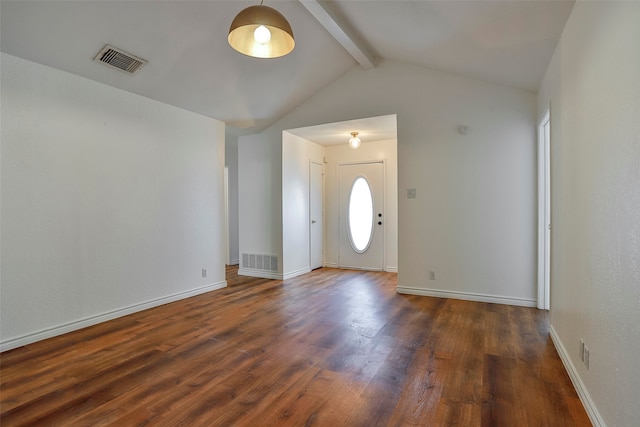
point(361, 216)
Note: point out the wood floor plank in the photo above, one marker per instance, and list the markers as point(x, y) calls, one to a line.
point(329, 348)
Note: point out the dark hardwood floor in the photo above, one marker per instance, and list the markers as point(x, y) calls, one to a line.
point(330, 348)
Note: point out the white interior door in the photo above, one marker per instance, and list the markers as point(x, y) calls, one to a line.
point(316, 225)
point(361, 192)
point(227, 252)
point(544, 213)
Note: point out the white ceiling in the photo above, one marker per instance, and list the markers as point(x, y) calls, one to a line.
point(191, 65)
point(506, 42)
point(369, 129)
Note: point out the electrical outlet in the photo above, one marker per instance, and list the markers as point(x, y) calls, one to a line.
point(581, 349)
point(432, 275)
point(204, 272)
point(586, 356)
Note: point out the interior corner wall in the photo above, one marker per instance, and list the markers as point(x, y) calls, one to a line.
point(260, 200)
point(231, 162)
point(297, 153)
point(473, 221)
point(111, 202)
point(372, 150)
point(592, 86)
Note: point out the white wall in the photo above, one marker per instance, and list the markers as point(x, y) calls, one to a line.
point(231, 162)
point(111, 202)
point(260, 199)
point(297, 152)
point(593, 88)
point(474, 219)
point(372, 150)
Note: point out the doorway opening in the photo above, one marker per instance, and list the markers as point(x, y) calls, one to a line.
point(324, 150)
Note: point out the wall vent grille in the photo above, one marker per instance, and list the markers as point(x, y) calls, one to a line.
point(260, 262)
point(119, 59)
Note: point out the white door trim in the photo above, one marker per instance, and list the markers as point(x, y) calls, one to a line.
point(544, 211)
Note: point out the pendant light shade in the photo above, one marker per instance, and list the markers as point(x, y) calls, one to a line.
point(354, 141)
point(261, 32)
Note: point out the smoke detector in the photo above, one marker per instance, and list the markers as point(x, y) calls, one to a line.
point(119, 59)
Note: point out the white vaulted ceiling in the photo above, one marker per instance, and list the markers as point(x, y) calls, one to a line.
point(191, 65)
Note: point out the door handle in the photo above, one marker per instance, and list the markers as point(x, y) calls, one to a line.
point(313, 221)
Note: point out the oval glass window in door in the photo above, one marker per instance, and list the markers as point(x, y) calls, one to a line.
point(360, 215)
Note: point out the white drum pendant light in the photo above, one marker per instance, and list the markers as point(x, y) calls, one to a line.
point(261, 32)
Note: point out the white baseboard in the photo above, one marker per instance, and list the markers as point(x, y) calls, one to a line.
point(585, 398)
point(335, 265)
point(295, 273)
point(234, 262)
point(272, 275)
point(259, 273)
point(99, 318)
point(466, 296)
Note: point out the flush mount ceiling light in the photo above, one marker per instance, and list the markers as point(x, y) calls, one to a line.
point(261, 32)
point(354, 141)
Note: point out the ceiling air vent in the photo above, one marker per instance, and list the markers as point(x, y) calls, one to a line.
point(118, 58)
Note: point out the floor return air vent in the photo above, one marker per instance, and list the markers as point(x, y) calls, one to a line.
point(260, 262)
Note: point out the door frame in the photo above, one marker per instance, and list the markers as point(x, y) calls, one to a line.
point(544, 211)
point(384, 204)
